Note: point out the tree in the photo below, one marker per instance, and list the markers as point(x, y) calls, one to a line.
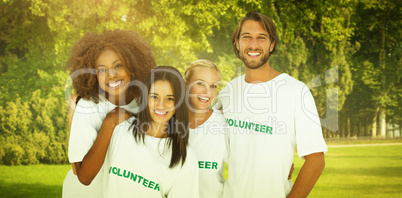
point(379, 58)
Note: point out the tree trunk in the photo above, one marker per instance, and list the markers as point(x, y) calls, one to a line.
point(400, 128)
point(374, 125)
point(383, 123)
point(348, 128)
point(366, 131)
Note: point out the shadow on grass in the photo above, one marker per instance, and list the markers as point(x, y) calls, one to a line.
point(359, 190)
point(26, 190)
point(372, 171)
point(345, 156)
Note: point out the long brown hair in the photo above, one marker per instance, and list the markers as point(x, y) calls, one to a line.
point(177, 132)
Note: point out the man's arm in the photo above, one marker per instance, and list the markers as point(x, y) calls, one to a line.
point(310, 172)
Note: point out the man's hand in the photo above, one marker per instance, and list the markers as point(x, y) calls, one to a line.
point(291, 171)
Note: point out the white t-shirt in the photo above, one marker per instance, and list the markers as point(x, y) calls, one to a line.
point(141, 169)
point(208, 141)
point(266, 121)
point(87, 121)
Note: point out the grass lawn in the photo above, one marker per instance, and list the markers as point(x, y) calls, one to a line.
point(362, 171)
point(36, 181)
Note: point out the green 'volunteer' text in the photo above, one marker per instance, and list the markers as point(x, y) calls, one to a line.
point(135, 178)
point(249, 125)
point(207, 165)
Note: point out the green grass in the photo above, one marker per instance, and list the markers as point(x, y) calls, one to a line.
point(366, 171)
point(34, 181)
point(363, 171)
point(345, 141)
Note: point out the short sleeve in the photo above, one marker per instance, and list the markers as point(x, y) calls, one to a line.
point(309, 138)
point(218, 106)
point(84, 129)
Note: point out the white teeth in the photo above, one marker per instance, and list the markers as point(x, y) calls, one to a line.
point(114, 84)
point(253, 54)
point(160, 112)
point(203, 98)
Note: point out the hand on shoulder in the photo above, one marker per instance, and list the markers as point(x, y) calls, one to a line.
point(117, 116)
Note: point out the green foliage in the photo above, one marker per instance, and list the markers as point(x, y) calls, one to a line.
point(32, 131)
point(347, 50)
point(376, 66)
point(13, 154)
point(15, 118)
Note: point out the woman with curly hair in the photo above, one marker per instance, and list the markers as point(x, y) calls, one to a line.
point(107, 70)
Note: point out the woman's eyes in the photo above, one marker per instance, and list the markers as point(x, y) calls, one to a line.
point(203, 84)
point(101, 70)
point(156, 97)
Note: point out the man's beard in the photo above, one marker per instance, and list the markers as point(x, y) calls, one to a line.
point(253, 64)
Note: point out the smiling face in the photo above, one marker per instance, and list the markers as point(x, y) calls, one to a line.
point(112, 76)
point(161, 102)
point(254, 45)
point(203, 87)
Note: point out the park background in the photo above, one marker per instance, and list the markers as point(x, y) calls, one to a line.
point(348, 52)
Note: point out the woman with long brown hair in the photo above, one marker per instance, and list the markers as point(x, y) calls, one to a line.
point(148, 156)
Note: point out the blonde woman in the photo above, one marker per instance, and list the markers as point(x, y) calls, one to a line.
point(207, 127)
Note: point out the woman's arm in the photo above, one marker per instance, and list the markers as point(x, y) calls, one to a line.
point(70, 113)
point(93, 160)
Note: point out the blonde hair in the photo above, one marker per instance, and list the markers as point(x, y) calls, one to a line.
point(199, 63)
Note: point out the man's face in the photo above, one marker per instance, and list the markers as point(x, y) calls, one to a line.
point(254, 45)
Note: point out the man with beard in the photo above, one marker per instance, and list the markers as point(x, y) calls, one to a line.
point(268, 114)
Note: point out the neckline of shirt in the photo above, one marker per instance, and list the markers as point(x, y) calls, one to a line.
point(210, 117)
point(243, 78)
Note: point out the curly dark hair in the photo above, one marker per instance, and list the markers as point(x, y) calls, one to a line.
point(136, 53)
